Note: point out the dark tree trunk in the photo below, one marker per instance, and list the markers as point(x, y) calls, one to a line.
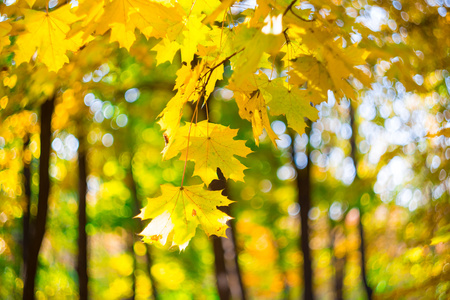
point(304, 200)
point(339, 264)
point(362, 248)
point(135, 264)
point(44, 190)
point(220, 270)
point(26, 213)
point(228, 274)
point(82, 222)
point(136, 205)
point(135, 227)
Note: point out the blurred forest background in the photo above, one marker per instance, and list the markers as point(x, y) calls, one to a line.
point(356, 208)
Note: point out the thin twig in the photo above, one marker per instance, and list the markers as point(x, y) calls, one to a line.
point(289, 7)
point(301, 18)
point(221, 63)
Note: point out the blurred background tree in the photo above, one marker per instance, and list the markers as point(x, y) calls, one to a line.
point(357, 207)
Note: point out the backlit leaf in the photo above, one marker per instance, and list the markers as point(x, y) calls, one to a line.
point(293, 103)
point(179, 210)
point(211, 146)
point(252, 107)
point(46, 34)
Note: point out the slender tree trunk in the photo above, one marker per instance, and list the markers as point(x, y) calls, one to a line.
point(339, 264)
point(136, 205)
point(304, 200)
point(44, 191)
point(231, 257)
point(135, 266)
point(362, 247)
point(82, 222)
point(135, 227)
point(228, 274)
point(220, 270)
point(26, 213)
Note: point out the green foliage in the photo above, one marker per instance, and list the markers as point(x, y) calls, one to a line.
point(222, 78)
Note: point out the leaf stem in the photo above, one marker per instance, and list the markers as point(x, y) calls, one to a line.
point(209, 74)
point(288, 43)
point(192, 7)
point(188, 140)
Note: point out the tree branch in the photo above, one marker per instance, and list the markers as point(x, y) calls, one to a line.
point(289, 8)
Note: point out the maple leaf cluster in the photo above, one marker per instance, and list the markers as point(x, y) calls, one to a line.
point(284, 61)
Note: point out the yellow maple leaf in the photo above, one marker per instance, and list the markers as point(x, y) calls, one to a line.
point(186, 83)
point(165, 50)
point(179, 210)
point(253, 44)
point(309, 69)
point(252, 107)
point(293, 103)
point(123, 17)
point(46, 34)
point(322, 62)
point(330, 70)
point(186, 37)
point(211, 146)
point(192, 85)
point(340, 64)
point(195, 34)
